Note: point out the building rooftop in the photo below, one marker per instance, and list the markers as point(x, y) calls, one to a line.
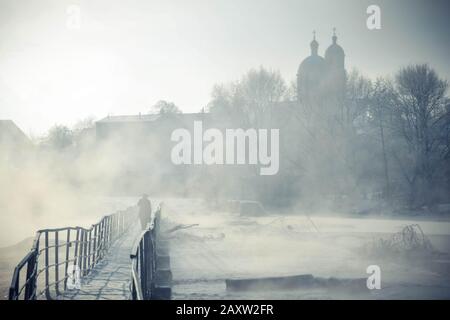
point(9, 131)
point(131, 118)
point(149, 117)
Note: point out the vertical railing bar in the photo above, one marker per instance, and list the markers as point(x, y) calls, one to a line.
point(142, 260)
point(29, 288)
point(105, 236)
point(84, 257)
point(108, 232)
point(56, 259)
point(80, 251)
point(152, 255)
point(17, 286)
point(101, 238)
point(75, 256)
point(95, 245)
point(66, 267)
point(47, 288)
point(149, 262)
point(36, 267)
point(89, 250)
point(111, 230)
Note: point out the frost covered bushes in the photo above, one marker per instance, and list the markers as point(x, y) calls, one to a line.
point(411, 241)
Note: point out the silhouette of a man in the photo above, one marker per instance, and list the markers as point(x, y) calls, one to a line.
point(145, 211)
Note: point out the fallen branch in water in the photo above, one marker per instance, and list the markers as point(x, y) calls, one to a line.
point(181, 227)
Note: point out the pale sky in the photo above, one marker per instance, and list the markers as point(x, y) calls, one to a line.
point(126, 55)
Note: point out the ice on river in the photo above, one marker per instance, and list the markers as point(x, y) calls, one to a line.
point(229, 246)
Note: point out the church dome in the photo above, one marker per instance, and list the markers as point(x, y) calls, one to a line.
point(334, 50)
point(312, 64)
point(311, 73)
point(335, 54)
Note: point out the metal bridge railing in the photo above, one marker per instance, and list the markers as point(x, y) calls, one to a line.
point(143, 260)
point(57, 254)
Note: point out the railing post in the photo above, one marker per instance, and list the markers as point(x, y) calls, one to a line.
point(94, 261)
point(149, 248)
point(143, 265)
point(81, 253)
point(66, 267)
point(89, 250)
point(47, 288)
point(14, 290)
point(76, 254)
point(133, 290)
point(30, 288)
point(56, 243)
point(108, 232)
point(105, 236)
point(111, 230)
point(100, 239)
point(84, 257)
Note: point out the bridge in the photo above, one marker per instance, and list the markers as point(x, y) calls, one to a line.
point(114, 259)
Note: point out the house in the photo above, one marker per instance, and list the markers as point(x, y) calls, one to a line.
point(15, 146)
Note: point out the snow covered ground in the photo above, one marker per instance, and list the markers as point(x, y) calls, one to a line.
point(229, 246)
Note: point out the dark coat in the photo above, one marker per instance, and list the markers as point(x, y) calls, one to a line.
point(145, 212)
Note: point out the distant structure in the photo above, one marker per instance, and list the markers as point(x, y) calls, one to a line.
point(11, 134)
point(144, 145)
point(319, 77)
point(15, 146)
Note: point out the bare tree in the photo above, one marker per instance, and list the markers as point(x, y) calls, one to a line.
point(250, 101)
point(382, 103)
point(422, 105)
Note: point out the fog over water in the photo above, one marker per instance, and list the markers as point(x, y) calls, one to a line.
point(89, 107)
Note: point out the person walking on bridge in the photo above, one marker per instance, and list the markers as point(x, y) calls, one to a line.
point(145, 211)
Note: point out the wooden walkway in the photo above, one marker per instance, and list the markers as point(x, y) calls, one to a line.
point(110, 279)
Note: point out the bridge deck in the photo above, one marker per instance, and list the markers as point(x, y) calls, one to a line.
point(110, 279)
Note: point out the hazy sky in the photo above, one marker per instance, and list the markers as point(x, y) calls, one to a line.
point(126, 55)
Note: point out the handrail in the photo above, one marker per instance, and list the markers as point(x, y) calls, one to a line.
point(143, 258)
point(90, 246)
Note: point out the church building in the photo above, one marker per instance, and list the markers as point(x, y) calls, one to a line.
point(321, 83)
point(320, 77)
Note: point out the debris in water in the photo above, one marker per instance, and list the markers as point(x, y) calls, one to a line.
point(293, 282)
point(208, 237)
point(410, 240)
point(182, 226)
